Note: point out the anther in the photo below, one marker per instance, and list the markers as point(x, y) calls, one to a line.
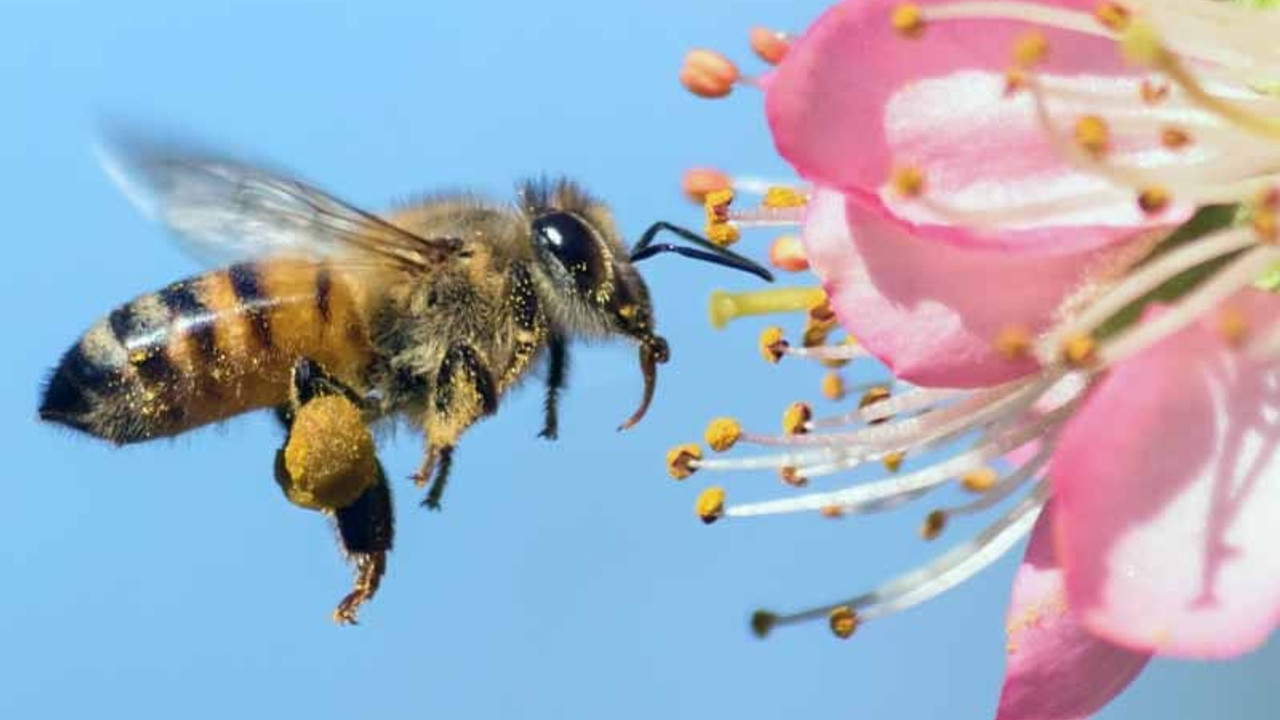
point(762, 622)
point(682, 460)
point(722, 433)
point(893, 461)
point(783, 197)
point(1152, 93)
point(770, 46)
point(772, 344)
point(1030, 49)
point(1266, 216)
point(843, 622)
point(1013, 341)
point(1113, 16)
point(908, 20)
point(1092, 135)
point(708, 74)
point(697, 183)
point(979, 480)
point(1014, 81)
point(710, 504)
point(787, 253)
point(1079, 350)
point(791, 476)
point(718, 228)
point(1232, 326)
point(819, 323)
point(934, 523)
point(833, 386)
point(1153, 199)
point(795, 419)
point(1174, 138)
point(908, 181)
point(831, 512)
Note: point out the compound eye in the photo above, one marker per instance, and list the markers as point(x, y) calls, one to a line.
point(567, 238)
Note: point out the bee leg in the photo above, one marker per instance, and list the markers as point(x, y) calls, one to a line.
point(464, 392)
point(328, 463)
point(366, 528)
point(557, 369)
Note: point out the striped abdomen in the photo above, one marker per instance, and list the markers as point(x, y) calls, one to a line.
point(207, 348)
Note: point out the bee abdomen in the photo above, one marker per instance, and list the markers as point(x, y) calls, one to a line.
point(204, 349)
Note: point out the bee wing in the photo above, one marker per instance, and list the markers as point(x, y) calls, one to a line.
point(223, 210)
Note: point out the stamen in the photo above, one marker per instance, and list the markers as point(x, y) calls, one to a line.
point(708, 74)
point(795, 418)
point(725, 306)
point(1092, 135)
point(818, 324)
point(881, 410)
point(770, 46)
point(832, 387)
point(908, 181)
point(1013, 341)
point(710, 505)
point(979, 480)
point(783, 197)
point(787, 253)
point(843, 622)
point(772, 344)
point(1113, 16)
point(682, 460)
point(908, 20)
point(722, 433)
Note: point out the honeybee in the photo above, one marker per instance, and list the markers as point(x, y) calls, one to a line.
point(337, 318)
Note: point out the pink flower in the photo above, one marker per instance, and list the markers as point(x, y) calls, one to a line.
point(994, 195)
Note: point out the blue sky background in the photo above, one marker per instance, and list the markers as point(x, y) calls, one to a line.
point(561, 581)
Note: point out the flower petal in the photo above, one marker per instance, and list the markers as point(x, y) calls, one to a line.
point(1056, 669)
point(931, 312)
point(1168, 489)
point(854, 100)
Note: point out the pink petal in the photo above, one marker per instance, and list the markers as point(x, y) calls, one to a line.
point(1056, 669)
point(932, 312)
point(1168, 490)
point(854, 99)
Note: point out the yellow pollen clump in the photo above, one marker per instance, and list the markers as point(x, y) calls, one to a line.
point(722, 433)
point(1153, 199)
point(1174, 138)
point(710, 504)
point(1013, 341)
point(933, 525)
point(1266, 216)
point(833, 386)
point(1113, 16)
point(697, 183)
point(908, 20)
point(843, 621)
point(1030, 49)
point(722, 234)
point(1015, 80)
point(770, 46)
point(832, 512)
point(795, 418)
point(979, 480)
point(772, 344)
point(718, 228)
point(908, 181)
point(682, 459)
point(1233, 326)
point(792, 476)
point(1152, 93)
point(783, 197)
point(1092, 135)
point(708, 74)
point(1079, 350)
point(893, 461)
point(762, 622)
point(329, 459)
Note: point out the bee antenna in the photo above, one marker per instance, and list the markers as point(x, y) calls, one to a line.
point(712, 253)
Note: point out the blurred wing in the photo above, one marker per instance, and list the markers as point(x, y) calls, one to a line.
point(223, 210)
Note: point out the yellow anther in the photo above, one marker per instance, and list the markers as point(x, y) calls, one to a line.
point(833, 386)
point(726, 306)
point(710, 505)
point(1113, 16)
point(722, 234)
point(796, 417)
point(979, 480)
point(787, 253)
point(1266, 225)
point(783, 197)
point(1174, 138)
point(832, 512)
point(718, 229)
point(722, 433)
point(682, 460)
point(1013, 341)
point(908, 181)
point(1092, 135)
point(893, 461)
point(772, 344)
point(329, 459)
point(1152, 93)
point(1079, 350)
point(1030, 49)
point(1233, 326)
point(792, 476)
point(933, 525)
point(770, 46)
point(819, 323)
point(762, 622)
point(1153, 199)
point(843, 621)
point(908, 20)
point(1014, 80)
point(1140, 43)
